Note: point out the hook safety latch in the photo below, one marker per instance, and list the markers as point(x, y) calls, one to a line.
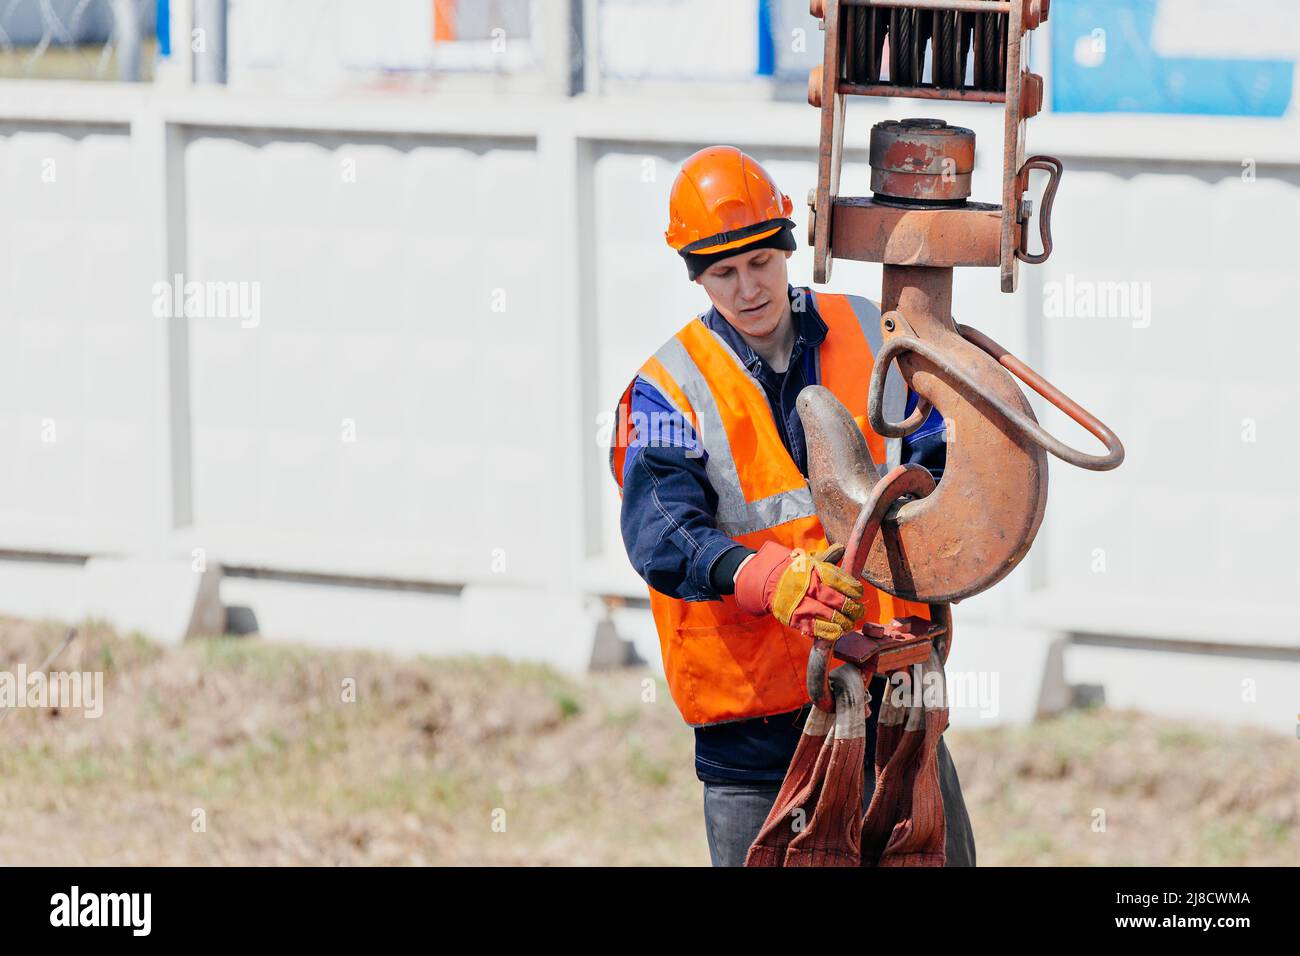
point(1054, 168)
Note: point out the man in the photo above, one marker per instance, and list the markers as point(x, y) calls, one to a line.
point(717, 516)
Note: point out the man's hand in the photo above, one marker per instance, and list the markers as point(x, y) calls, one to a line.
point(803, 591)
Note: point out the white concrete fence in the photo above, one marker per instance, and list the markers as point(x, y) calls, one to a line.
point(383, 425)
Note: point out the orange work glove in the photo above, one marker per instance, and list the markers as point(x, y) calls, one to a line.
point(801, 590)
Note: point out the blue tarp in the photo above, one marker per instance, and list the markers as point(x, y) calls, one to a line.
point(1128, 76)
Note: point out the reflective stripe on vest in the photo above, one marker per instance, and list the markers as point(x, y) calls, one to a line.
point(735, 515)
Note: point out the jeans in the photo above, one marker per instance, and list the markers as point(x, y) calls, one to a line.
point(734, 813)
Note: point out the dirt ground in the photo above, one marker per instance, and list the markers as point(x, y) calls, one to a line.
point(233, 751)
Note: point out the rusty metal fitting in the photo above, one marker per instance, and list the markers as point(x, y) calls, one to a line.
point(818, 8)
point(1054, 169)
point(921, 159)
point(1036, 13)
point(1031, 94)
point(815, 86)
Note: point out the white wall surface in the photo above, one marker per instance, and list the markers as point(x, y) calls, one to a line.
point(476, 463)
point(75, 367)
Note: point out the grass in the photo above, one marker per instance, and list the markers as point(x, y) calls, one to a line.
point(485, 761)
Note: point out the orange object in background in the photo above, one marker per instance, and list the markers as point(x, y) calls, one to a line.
point(444, 20)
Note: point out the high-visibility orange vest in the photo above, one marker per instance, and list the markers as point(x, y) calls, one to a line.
point(723, 664)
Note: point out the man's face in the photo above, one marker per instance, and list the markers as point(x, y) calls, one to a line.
point(750, 289)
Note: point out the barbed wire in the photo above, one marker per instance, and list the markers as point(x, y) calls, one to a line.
point(76, 39)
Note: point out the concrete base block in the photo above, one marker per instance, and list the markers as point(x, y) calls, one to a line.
point(556, 628)
point(1216, 690)
point(165, 600)
point(610, 650)
point(42, 589)
point(401, 622)
point(1055, 695)
point(1001, 675)
point(637, 625)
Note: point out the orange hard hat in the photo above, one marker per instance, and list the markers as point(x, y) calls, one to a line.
point(723, 201)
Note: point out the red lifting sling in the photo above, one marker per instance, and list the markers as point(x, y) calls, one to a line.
point(817, 819)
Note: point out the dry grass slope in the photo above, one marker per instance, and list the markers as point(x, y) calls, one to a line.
point(482, 761)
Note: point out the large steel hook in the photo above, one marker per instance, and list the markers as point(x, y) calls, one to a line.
point(1026, 425)
point(981, 519)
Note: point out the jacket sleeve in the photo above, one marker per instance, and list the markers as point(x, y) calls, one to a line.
point(669, 510)
point(928, 445)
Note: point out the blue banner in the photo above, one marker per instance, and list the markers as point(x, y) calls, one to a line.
point(1172, 56)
